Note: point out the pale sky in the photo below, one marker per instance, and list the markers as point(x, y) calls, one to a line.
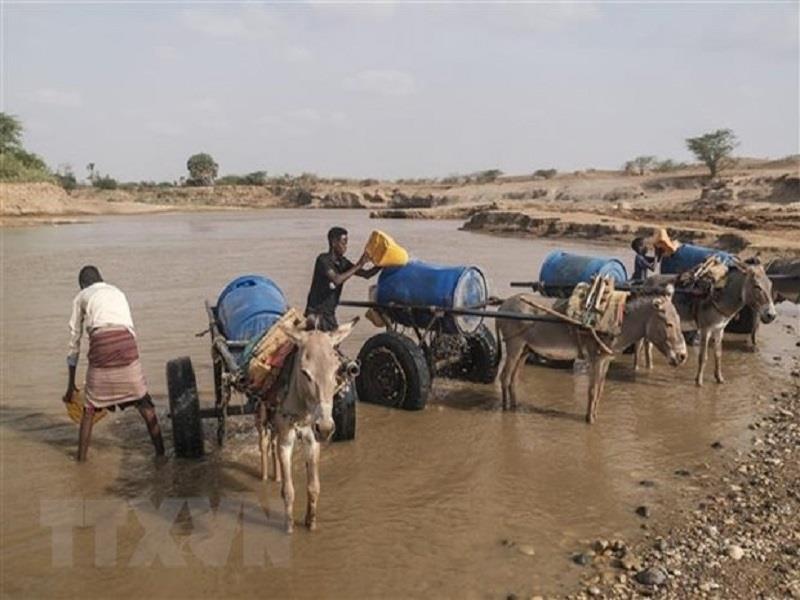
point(396, 90)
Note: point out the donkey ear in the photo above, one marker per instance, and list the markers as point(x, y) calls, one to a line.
point(338, 336)
point(297, 335)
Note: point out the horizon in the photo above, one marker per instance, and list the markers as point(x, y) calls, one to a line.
point(394, 91)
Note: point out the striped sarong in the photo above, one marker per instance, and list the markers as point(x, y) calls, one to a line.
point(115, 375)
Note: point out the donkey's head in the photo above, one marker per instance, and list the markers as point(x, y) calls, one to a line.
point(315, 374)
point(663, 327)
point(757, 290)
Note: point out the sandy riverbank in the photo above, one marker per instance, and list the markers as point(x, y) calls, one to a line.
point(753, 208)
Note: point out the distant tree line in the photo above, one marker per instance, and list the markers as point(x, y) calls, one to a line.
point(713, 149)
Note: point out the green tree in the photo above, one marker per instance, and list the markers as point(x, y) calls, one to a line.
point(713, 149)
point(10, 133)
point(16, 163)
point(202, 169)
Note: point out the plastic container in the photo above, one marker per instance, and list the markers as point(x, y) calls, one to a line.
point(688, 256)
point(248, 306)
point(423, 284)
point(562, 271)
point(383, 251)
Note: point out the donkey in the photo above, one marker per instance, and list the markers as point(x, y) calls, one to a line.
point(302, 412)
point(785, 286)
point(746, 284)
point(650, 316)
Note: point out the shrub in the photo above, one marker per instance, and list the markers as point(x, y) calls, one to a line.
point(667, 165)
point(640, 165)
point(105, 182)
point(488, 176)
point(546, 173)
point(67, 180)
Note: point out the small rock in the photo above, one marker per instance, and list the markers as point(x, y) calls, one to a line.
point(594, 591)
point(652, 576)
point(709, 586)
point(511, 596)
point(716, 445)
point(507, 543)
point(735, 552)
point(643, 511)
point(526, 549)
point(582, 559)
point(682, 472)
point(629, 562)
point(600, 546)
point(647, 483)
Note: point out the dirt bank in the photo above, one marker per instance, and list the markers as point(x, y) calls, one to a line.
point(754, 207)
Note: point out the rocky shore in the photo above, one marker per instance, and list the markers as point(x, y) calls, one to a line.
point(740, 537)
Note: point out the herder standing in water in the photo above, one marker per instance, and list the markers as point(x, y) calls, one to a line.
point(114, 377)
point(331, 270)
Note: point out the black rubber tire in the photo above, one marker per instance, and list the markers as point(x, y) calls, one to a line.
point(480, 361)
point(394, 372)
point(344, 414)
point(184, 409)
point(743, 321)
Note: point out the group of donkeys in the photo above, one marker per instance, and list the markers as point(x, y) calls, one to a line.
point(657, 315)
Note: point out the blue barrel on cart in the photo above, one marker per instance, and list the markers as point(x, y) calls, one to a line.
point(423, 284)
point(249, 306)
point(562, 271)
point(688, 256)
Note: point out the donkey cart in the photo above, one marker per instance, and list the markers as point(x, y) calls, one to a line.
point(396, 369)
point(230, 358)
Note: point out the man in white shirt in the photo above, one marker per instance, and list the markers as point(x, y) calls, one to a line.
point(114, 377)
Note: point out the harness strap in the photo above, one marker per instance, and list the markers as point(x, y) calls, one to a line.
point(581, 326)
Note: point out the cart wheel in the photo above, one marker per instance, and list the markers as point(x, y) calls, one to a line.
point(344, 414)
point(184, 408)
point(743, 321)
point(394, 372)
point(482, 357)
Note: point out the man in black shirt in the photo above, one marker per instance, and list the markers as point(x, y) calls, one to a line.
point(331, 270)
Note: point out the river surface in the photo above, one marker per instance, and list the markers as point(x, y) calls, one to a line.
point(417, 506)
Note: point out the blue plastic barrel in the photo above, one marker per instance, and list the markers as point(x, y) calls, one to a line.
point(248, 306)
point(562, 271)
point(423, 284)
point(687, 257)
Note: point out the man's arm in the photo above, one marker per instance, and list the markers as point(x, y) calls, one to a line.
point(76, 331)
point(339, 278)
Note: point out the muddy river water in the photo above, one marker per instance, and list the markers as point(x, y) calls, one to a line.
point(416, 506)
